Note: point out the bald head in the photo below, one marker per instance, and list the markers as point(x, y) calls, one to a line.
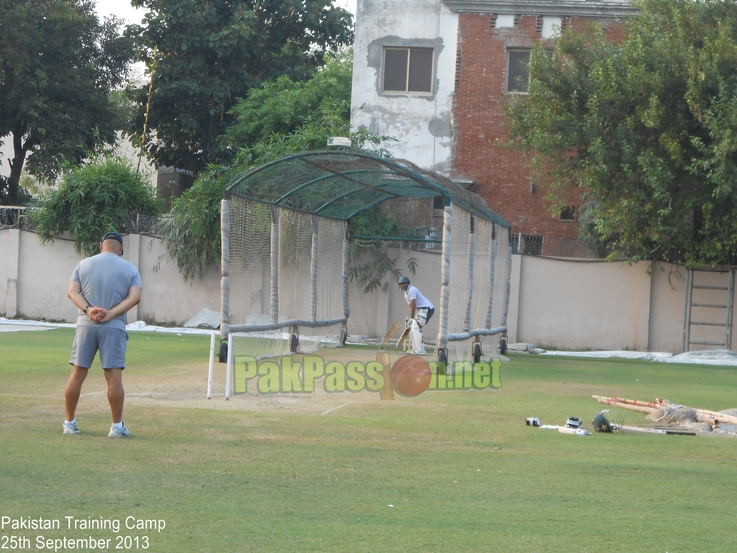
point(111, 245)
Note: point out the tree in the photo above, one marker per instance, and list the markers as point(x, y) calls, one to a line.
point(307, 113)
point(206, 55)
point(106, 194)
point(282, 106)
point(58, 65)
point(646, 127)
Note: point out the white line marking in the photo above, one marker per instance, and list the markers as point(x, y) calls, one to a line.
point(336, 408)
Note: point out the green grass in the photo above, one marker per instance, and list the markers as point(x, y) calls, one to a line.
point(461, 469)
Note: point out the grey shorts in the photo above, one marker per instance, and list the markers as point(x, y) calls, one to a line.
point(110, 342)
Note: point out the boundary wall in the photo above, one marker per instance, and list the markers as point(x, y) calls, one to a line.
point(34, 280)
point(554, 303)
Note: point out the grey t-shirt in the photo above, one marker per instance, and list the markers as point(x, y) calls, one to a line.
point(105, 280)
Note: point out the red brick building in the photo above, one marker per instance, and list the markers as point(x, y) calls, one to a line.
point(461, 59)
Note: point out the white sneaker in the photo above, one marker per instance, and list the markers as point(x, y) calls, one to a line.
point(71, 427)
point(418, 353)
point(119, 432)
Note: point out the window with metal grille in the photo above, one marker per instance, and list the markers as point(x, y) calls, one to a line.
point(527, 244)
point(408, 70)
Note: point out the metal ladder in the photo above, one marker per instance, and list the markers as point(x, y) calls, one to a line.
point(701, 297)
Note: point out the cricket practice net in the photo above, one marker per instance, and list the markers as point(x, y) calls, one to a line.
point(285, 276)
point(285, 253)
point(476, 268)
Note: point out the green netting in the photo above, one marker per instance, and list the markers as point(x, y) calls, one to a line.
point(341, 184)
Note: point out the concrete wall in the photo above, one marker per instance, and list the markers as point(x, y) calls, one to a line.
point(560, 303)
point(667, 300)
point(575, 304)
point(421, 123)
point(34, 280)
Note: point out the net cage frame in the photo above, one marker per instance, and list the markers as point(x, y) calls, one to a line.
point(338, 185)
point(275, 262)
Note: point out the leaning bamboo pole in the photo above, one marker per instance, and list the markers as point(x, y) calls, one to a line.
point(615, 402)
point(657, 404)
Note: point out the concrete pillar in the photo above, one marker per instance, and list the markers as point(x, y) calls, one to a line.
point(132, 254)
point(13, 262)
point(515, 279)
point(643, 289)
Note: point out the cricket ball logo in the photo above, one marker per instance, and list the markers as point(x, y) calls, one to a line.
point(410, 375)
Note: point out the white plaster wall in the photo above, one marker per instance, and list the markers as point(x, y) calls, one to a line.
point(8, 264)
point(422, 124)
point(667, 307)
point(566, 304)
point(514, 292)
point(166, 298)
point(583, 304)
point(44, 273)
point(43, 280)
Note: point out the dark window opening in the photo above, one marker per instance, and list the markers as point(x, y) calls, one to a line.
point(408, 70)
point(518, 76)
point(568, 213)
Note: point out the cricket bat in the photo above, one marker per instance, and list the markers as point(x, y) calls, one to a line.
point(403, 337)
point(390, 334)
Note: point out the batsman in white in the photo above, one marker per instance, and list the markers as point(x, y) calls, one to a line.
point(420, 312)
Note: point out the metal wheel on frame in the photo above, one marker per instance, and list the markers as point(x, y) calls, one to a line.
point(293, 339)
point(223, 352)
point(476, 350)
point(442, 361)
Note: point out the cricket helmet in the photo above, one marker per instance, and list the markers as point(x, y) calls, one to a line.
point(601, 423)
point(403, 280)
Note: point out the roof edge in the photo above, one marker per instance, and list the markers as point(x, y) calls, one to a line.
point(584, 8)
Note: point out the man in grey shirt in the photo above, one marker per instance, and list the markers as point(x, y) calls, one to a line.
point(104, 287)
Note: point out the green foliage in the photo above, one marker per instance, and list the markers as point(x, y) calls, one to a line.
point(92, 199)
point(58, 65)
point(310, 113)
point(280, 107)
point(208, 54)
point(646, 128)
point(371, 258)
point(191, 230)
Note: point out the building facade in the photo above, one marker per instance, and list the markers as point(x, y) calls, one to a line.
point(434, 74)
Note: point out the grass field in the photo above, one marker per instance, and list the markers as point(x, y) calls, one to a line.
point(447, 471)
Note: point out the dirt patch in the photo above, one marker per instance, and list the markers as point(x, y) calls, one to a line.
point(186, 387)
